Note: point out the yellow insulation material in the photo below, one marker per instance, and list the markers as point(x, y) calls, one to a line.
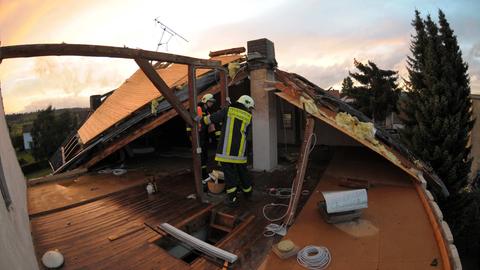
point(309, 105)
point(364, 131)
point(233, 68)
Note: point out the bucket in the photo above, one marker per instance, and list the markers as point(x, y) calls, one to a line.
point(216, 188)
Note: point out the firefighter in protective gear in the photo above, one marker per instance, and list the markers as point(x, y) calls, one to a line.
point(232, 146)
point(204, 108)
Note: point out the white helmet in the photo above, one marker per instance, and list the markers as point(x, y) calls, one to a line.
point(247, 101)
point(208, 97)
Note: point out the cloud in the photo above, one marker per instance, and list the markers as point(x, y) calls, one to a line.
point(320, 39)
point(61, 79)
point(61, 102)
point(317, 39)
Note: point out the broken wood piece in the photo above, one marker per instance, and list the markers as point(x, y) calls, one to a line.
point(301, 168)
point(237, 50)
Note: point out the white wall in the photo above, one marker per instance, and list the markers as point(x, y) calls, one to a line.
point(16, 247)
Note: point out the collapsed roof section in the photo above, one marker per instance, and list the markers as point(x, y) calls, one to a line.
point(307, 96)
point(136, 92)
point(127, 112)
point(134, 109)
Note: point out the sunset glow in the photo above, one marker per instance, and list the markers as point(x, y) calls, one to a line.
point(318, 39)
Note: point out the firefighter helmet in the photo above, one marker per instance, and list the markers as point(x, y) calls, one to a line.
point(247, 101)
point(208, 97)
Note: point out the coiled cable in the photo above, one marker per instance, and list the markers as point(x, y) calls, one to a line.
point(314, 257)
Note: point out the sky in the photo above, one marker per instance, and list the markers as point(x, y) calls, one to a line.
point(317, 39)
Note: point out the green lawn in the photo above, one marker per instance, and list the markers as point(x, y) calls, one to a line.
point(25, 155)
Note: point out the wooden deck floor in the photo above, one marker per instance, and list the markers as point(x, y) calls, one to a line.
point(393, 232)
point(81, 232)
point(61, 194)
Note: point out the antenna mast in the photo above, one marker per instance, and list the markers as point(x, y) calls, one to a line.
point(167, 34)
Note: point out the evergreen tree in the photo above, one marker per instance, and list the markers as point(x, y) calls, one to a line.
point(438, 118)
point(347, 84)
point(377, 93)
point(50, 130)
point(44, 134)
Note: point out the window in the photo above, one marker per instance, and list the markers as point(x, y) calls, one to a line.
point(3, 187)
point(287, 120)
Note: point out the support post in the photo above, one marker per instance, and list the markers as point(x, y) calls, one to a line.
point(301, 168)
point(261, 64)
point(223, 87)
point(163, 88)
point(196, 150)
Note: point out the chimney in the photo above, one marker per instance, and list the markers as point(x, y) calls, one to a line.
point(261, 64)
point(95, 102)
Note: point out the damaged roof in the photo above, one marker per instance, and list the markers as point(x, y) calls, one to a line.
point(302, 93)
point(136, 92)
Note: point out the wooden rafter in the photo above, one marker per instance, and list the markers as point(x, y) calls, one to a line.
point(33, 50)
point(163, 88)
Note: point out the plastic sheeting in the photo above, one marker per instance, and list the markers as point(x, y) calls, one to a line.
point(342, 201)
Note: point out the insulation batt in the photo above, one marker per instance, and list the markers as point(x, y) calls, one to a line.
point(364, 131)
point(309, 104)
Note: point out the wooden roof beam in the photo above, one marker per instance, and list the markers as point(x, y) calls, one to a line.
point(33, 50)
point(163, 88)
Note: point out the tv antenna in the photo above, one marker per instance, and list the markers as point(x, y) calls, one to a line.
point(167, 35)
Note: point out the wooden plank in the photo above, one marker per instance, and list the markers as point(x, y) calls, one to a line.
point(116, 145)
point(223, 88)
point(200, 263)
point(237, 50)
point(58, 177)
point(196, 149)
point(301, 167)
point(195, 216)
point(33, 50)
point(221, 227)
point(82, 233)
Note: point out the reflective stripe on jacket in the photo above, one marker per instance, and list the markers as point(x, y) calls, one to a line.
point(232, 143)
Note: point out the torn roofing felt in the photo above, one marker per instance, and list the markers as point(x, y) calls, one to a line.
point(137, 123)
point(302, 93)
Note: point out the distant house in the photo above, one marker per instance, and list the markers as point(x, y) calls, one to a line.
point(337, 94)
point(27, 137)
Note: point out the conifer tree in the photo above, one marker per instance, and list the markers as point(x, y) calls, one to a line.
point(438, 119)
point(347, 84)
point(377, 93)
